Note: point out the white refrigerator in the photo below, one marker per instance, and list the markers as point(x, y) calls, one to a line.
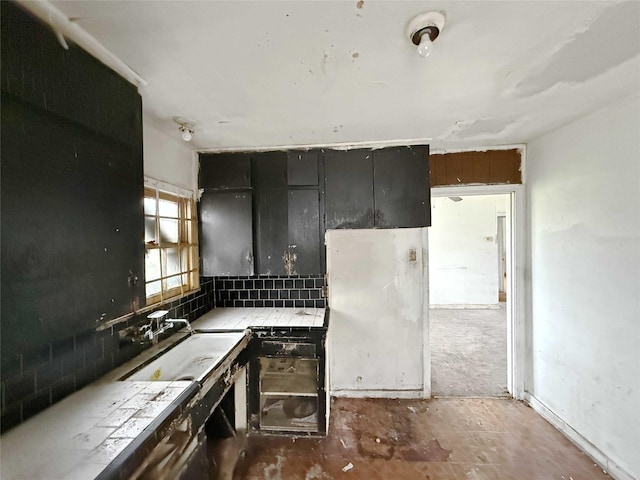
point(378, 329)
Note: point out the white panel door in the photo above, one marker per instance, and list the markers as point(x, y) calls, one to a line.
point(376, 292)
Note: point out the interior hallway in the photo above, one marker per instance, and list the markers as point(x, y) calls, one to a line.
point(468, 352)
point(438, 439)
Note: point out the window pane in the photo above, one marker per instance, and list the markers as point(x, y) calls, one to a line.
point(149, 206)
point(152, 264)
point(168, 255)
point(173, 282)
point(149, 229)
point(168, 231)
point(173, 261)
point(153, 288)
point(167, 208)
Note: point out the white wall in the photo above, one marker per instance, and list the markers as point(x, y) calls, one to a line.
point(168, 158)
point(463, 253)
point(583, 183)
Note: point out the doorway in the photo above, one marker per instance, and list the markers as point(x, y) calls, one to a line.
point(469, 259)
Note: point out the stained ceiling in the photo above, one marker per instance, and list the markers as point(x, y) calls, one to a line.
point(268, 74)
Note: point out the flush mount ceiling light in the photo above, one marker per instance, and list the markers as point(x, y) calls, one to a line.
point(424, 29)
point(186, 127)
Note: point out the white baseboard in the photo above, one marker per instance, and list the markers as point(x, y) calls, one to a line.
point(407, 394)
point(608, 465)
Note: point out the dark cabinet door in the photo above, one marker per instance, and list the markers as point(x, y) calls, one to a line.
point(269, 170)
point(226, 241)
point(270, 214)
point(348, 189)
point(304, 232)
point(225, 171)
point(302, 168)
point(401, 187)
point(269, 180)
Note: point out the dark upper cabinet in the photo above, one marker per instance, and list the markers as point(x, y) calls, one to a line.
point(269, 170)
point(269, 181)
point(401, 187)
point(225, 171)
point(348, 189)
point(286, 220)
point(287, 232)
point(295, 196)
point(302, 168)
point(271, 230)
point(305, 241)
point(226, 238)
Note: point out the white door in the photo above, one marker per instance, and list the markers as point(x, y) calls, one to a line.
point(376, 295)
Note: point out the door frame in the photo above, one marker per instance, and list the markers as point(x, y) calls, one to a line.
point(516, 327)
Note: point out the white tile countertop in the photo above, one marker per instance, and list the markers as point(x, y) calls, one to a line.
point(79, 436)
point(241, 318)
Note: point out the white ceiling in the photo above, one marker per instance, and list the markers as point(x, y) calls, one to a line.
point(277, 73)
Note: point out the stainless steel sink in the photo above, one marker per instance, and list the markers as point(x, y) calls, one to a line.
point(192, 359)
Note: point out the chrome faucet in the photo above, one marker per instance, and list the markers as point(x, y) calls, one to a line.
point(171, 322)
point(158, 325)
point(151, 334)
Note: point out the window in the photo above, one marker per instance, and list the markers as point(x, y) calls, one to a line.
point(171, 245)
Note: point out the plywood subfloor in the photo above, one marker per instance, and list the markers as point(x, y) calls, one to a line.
point(439, 439)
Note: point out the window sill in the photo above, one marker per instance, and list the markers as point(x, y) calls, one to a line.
point(146, 309)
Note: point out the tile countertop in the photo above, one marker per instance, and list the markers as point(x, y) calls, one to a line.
point(79, 436)
point(242, 318)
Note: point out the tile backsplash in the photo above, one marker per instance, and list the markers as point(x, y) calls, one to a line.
point(270, 291)
point(36, 379)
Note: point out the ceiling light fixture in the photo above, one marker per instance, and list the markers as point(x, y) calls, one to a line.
point(424, 29)
point(186, 127)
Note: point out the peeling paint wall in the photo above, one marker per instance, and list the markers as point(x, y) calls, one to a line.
point(584, 203)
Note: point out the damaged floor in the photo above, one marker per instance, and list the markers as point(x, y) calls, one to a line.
point(438, 439)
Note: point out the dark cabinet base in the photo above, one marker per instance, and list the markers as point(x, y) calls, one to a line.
point(287, 381)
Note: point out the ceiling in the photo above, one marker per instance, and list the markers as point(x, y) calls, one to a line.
point(268, 74)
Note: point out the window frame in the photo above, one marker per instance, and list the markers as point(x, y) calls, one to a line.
point(187, 244)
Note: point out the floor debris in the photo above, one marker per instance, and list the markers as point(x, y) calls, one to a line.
point(453, 438)
point(347, 467)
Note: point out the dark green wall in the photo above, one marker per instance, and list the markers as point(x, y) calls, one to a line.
point(72, 223)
